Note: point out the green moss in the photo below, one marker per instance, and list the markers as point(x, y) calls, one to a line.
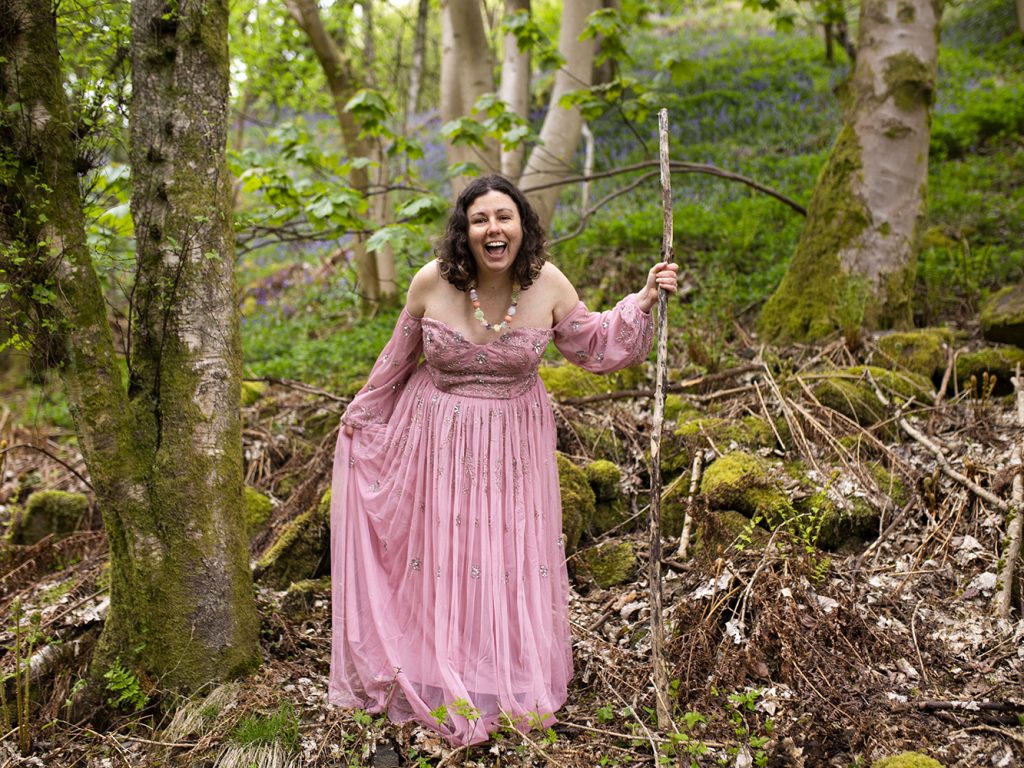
point(300, 595)
point(725, 529)
point(907, 760)
point(803, 306)
point(45, 513)
point(257, 510)
point(568, 380)
point(252, 391)
point(300, 550)
point(889, 483)
point(996, 361)
point(610, 564)
point(578, 502)
point(674, 405)
point(921, 351)
point(749, 432)
point(848, 391)
point(605, 478)
point(910, 81)
point(1002, 316)
point(743, 482)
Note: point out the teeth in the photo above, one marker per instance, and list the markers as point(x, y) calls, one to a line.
point(495, 244)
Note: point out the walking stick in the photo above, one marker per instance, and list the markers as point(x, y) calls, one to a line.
point(654, 565)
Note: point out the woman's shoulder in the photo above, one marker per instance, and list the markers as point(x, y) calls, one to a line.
point(422, 287)
point(558, 290)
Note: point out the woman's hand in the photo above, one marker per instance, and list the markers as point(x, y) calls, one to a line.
point(662, 275)
point(349, 430)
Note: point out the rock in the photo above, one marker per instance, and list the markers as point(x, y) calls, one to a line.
point(610, 508)
point(578, 502)
point(743, 481)
point(298, 600)
point(751, 432)
point(907, 760)
point(996, 361)
point(922, 352)
point(47, 512)
point(301, 549)
point(257, 511)
point(718, 532)
point(609, 564)
point(848, 391)
point(569, 380)
point(1002, 316)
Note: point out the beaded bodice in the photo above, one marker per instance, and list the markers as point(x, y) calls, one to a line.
point(503, 368)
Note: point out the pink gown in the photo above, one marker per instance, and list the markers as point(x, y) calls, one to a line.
point(449, 585)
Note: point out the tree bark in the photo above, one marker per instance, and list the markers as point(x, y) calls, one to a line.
point(855, 262)
point(419, 50)
point(1020, 16)
point(515, 89)
point(343, 87)
point(164, 452)
point(466, 75)
point(552, 158)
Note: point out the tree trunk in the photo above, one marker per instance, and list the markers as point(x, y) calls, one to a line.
point(854, 265)
point(185, 603)
point(1020, 15)
point(343, 87)
point(560, 134)
point(515, 89)
point(419, 50)
point(164, 453)
point(465, 76)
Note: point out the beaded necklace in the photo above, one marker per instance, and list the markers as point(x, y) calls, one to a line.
point(479, 313)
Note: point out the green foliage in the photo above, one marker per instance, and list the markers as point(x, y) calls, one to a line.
point(281, 727)
point(124, 687)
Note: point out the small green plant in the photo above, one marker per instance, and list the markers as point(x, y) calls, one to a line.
point(853, 295)
point(25, 638)
point(281, 727)
point(124, 687)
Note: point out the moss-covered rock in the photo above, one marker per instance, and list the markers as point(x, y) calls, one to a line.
point(610, 508)
point(907, 760)
point(578, 502)
point(750, 432)
point(299, 598)
point(718, 532)
point(848, 391)
point(252, 391)
point(45, 513)
point(257, 510)
point(1002, 316)
point(889, 483)
point(610, 563)
point(744, 482)
point(301, 549)
point(996, 361)
point(569, 380)
point(921, 352)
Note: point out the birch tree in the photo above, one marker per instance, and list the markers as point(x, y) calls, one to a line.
point(855, 262)
point(515, 88)
point(551, 159)
point(375, 271)
point(163, 444)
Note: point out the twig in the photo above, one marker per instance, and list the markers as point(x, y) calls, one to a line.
point(1011, 554)
point(654, 560)
point(684, 537)
point(943, 462)
point(308, 388)
point(55, 458)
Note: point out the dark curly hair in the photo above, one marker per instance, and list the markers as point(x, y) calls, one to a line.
point(454, 257)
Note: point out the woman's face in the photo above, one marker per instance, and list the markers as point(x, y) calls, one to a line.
point(495, 231)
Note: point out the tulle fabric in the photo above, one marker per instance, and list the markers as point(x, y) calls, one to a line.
point(449, 585)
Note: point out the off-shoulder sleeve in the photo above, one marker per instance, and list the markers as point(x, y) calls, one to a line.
point(374, 403)
point(605, 341)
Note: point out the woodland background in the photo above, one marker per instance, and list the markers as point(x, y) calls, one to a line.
point(209, 214)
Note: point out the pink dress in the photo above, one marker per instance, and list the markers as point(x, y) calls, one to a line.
point(450, 592)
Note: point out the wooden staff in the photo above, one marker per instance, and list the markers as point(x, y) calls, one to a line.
point(654, 564)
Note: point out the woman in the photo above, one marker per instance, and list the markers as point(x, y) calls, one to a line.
point(449, 583)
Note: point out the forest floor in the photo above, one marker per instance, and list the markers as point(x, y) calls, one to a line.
point(780, 653)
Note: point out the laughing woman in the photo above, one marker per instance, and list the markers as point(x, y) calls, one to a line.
point(450, 592)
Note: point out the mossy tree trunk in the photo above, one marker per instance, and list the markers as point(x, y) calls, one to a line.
point(163, 448)
point(854, 265)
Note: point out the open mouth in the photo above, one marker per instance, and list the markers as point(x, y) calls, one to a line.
point(495, 247)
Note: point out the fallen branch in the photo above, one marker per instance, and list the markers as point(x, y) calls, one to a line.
point(684, 537)
point(682, 386)
point(1011, 554)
